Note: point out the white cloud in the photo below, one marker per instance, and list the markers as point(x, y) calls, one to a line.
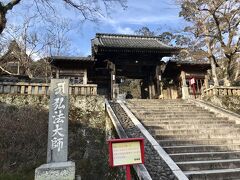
point(124, 30)
point(142, 20)
point(35, 56)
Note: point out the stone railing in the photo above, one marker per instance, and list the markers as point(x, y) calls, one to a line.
point(222, 91)
point(43, 89)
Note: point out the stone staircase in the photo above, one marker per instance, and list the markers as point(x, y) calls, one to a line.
point(204, 146)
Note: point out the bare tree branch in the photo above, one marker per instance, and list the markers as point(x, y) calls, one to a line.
point(6, 71)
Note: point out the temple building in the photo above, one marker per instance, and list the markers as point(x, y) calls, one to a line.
point(116, 57)
point(10, 61)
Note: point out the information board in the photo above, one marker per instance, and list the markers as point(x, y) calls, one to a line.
point(126, 151)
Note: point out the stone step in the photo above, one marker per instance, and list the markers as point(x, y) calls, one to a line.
point(209, 131)
point(185, 122)
point(191, 126)
point(171, 111)
point(203, 145)
point(208, 165)
point(206, 141)
point(165, 106)
point(151, 103)
point(166, 109)
point(195, 136)
point(201, 148)
point(179, 117)
point(219, 174)
point(158, 101)
point(174, 116)
point(203, 156)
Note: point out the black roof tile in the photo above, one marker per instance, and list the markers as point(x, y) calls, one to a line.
point(71, 58)
point(130, 41)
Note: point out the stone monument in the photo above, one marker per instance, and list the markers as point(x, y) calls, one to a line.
point(57, 167)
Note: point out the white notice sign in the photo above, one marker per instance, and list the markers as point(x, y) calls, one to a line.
point(192, 81)
point(126, 153)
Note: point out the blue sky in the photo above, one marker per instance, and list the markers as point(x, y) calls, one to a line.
point(158, 15)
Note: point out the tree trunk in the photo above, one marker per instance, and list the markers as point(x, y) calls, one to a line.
point(226, 78)
point(29, 73)
point(237, 71)
point(3, 21)
point(211, 56)
point(214, 74)
point(46, 71)
point(3, 12)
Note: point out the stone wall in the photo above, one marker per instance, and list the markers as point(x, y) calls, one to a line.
point(87, 136)
point(231, 103)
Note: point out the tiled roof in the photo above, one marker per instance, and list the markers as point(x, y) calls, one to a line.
point(189, 62)
point(130, 41)
point(173, 67)
point(71, 58)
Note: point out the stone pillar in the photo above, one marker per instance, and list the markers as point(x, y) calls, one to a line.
point(58, 121)
point(57, 166)
point(18, 68)
point(185, 92)
point(85, 79)
point(206, 82)
point(115, 91)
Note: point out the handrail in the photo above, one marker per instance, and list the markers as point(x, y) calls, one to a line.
point(140, 169)
point(43, 88)
point(222, 91)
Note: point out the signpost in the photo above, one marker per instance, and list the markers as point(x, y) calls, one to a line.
point(126, 152)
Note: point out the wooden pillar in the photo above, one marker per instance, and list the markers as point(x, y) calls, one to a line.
point(113, 78)
point(57, 73)
point(150, 90)
point(158, 79)
point(185, 92)
point(153, 89)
